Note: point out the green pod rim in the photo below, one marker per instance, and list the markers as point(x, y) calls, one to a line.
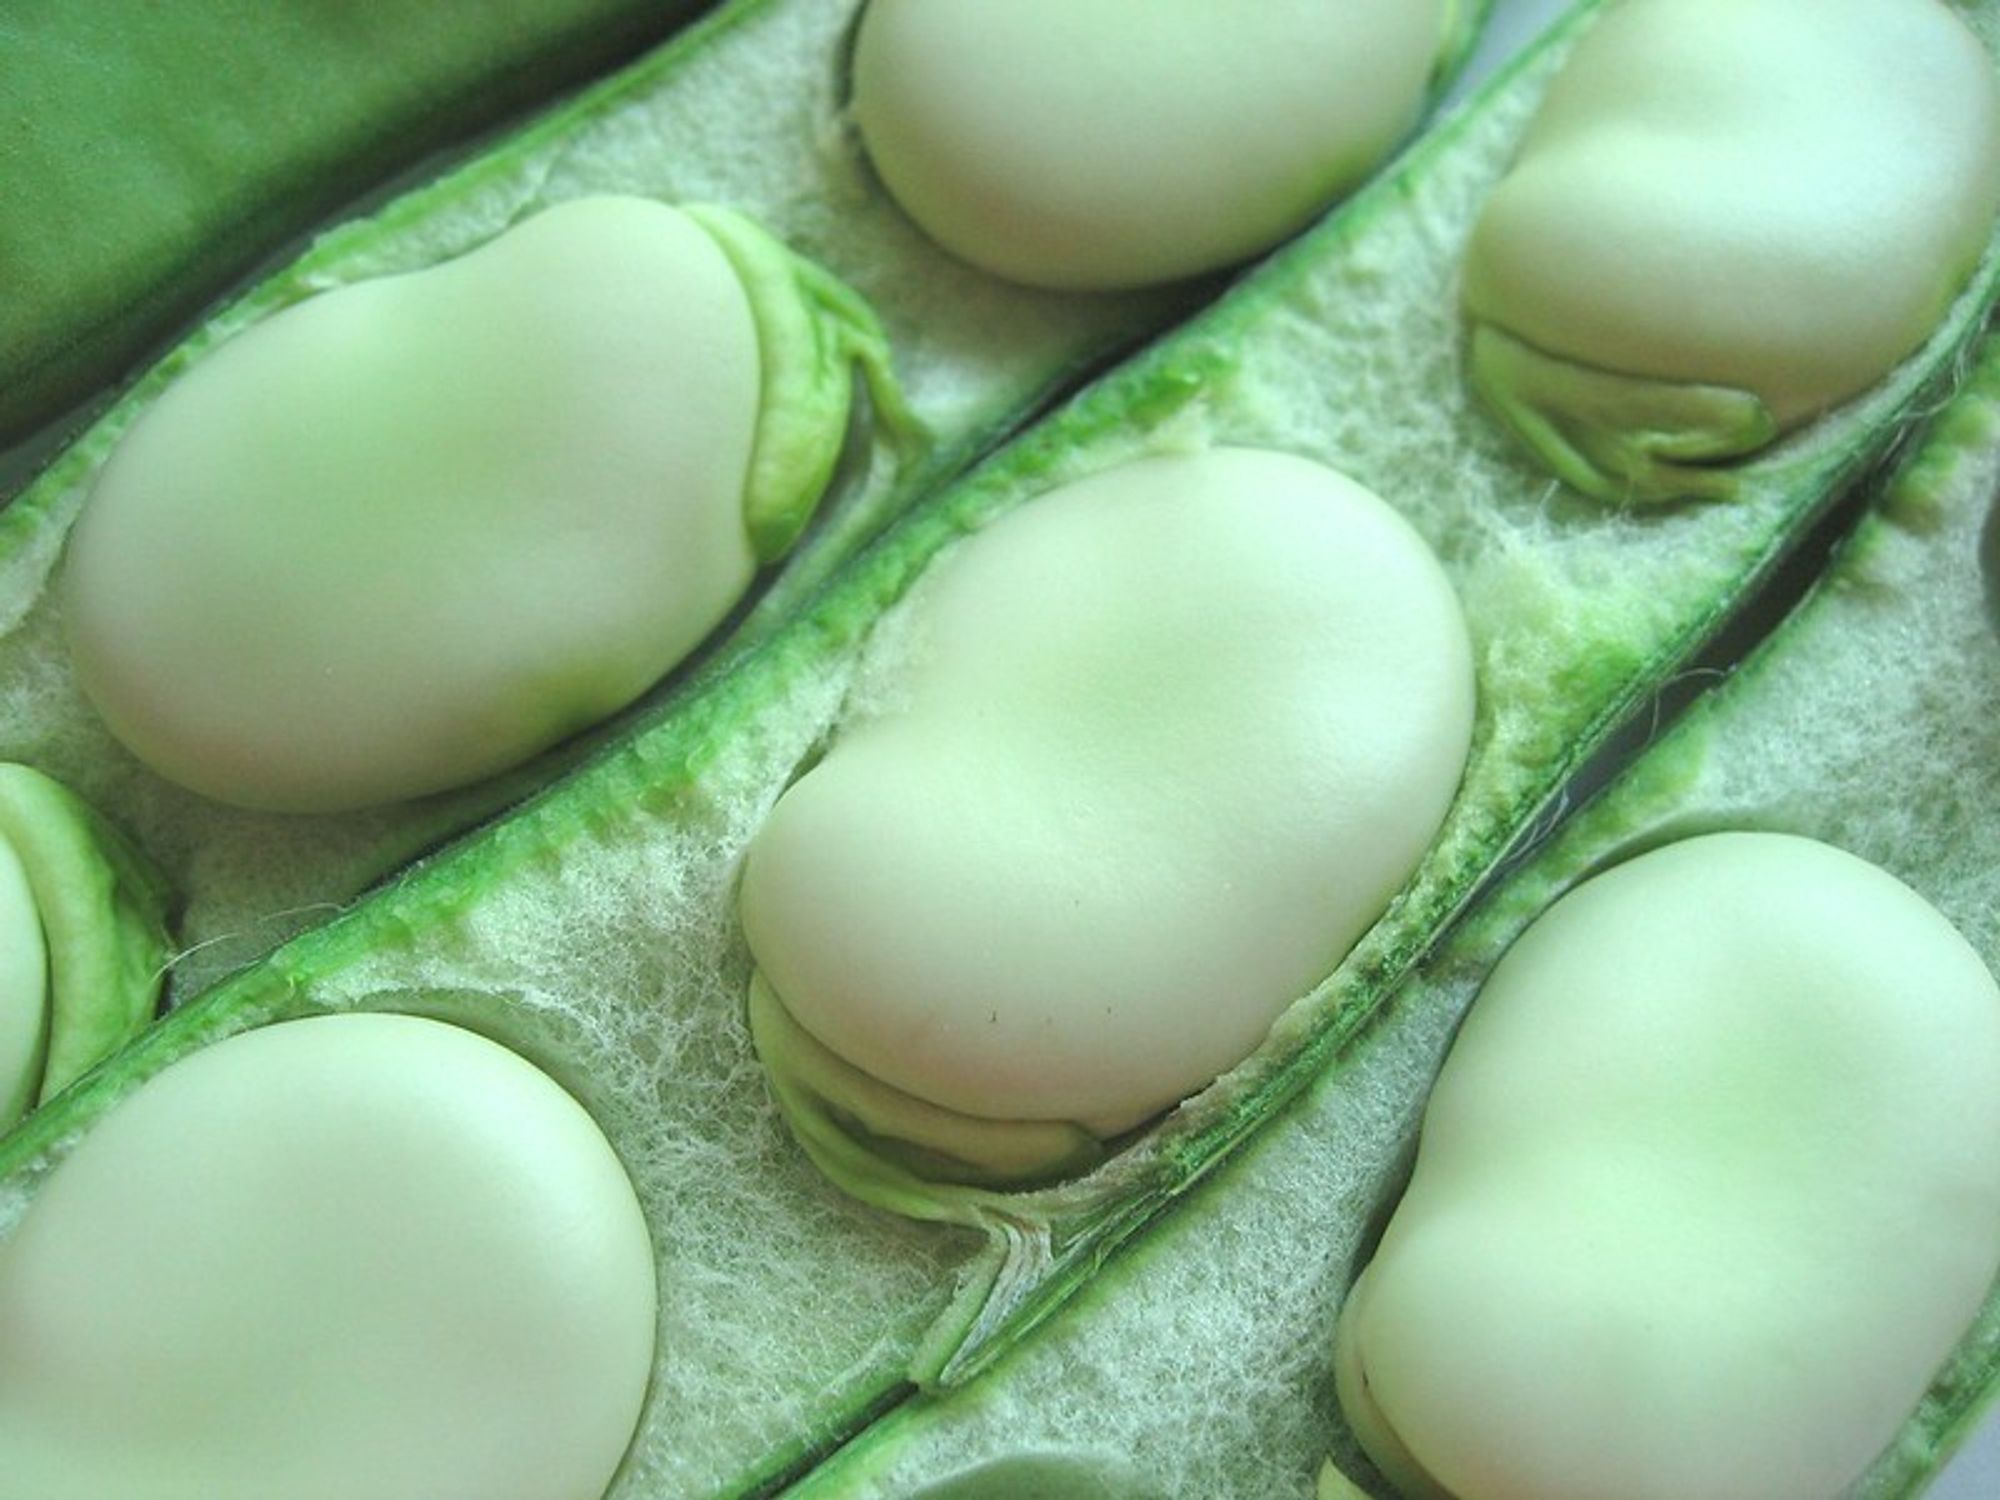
point(104, 908)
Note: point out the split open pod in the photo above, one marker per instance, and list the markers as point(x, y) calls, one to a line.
point(606, 900)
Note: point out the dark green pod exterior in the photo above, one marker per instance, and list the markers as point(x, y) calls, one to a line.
point(150, 154)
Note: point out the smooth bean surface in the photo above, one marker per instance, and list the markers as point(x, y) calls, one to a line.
point(350, 1255)
point(1153, 751)
point(1707, 1190)
point(1728, 216)
point(1087, 144)
point(408, 533)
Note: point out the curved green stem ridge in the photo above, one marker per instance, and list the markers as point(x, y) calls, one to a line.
point(814, 334)
point(103, 907)
point(24, 991)
point(1619, 438)
point(892, 1149)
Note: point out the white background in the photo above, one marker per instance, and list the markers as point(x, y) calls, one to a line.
point(1975, 1473)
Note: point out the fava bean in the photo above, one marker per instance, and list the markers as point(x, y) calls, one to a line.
point(1728, 216)
point(407, 534)
point(1707, 1190)
point(1163, 744)
point(343, 1256)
